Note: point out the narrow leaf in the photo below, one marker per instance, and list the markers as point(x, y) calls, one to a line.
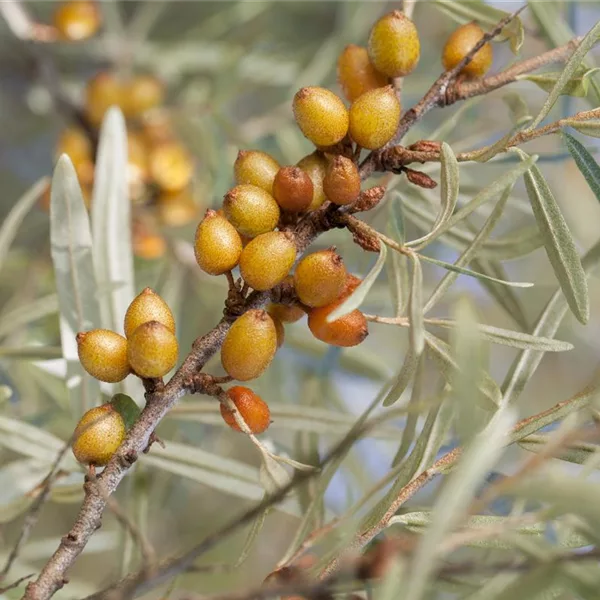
point(71, 249)
point(415, 308)
point(463, 271)
point(23, 315)
point(590, 128)
point(401, 382)
point(360, 293)
point(576, 452)
point(585, 162)
point(571, 67)
point(559, 243)
point(577, 86)
point(519, 111)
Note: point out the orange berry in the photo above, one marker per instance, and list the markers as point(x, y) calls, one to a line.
point(148, 244)
point(267, 259)
point(394, 46)
point(320, 278)
point(101, 92)
point(256, 168)
point(349, 330)
point(374, 118)
point(253, 409)
point(356, 74)
point(103, 354)
point(315, 166)
point(342, 181)
point(286, 313)
point(171, 166)
point(293, 189)
point(217, 245)
point(251, 210)
point(74, 142)
point(249, 346)
point(77, 20)
point(152, 350)
point(460, 43)
point(147, 306)
point(142, 93)
point(98, 435)
point(321, 115)
point(175, 209)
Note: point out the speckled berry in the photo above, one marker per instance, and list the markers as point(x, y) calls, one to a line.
point(320, 278)
point(356, 74)
point(103, 354)
point(152, 350)
point(342, 181)
point(293, 189)
point(349, 330)
point(251, 210)
point(256, 168)
point(315, 166)
point(460, 43)
point(217, 245)
point(145, 307)
point(374, 118)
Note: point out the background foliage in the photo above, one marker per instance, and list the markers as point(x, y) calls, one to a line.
point(232, 69)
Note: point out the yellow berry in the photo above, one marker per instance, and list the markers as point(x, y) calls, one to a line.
point(293, 189)
point(103, 354)
point(394, 46)
point(98, 435)
point(152, 350)
point(175, 209)
point(374, 118)
point(256, 168)
point(251, 407)
point(217, 245)
point(102, 91)
point(251, 210)
point(356, 74)
point(460, 43)
point(320, 278)
point(267, 259)
point(145, 307)
point(321, 115)
point(342, 181)
point(74, 142)
point(249, 346)
point(142, 93)
point(349, 330)
point(77, 20)
point(315, 166)
point(286, 313)
point(171, 166)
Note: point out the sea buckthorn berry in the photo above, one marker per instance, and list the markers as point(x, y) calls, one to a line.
point(374, 118)
point(315, 166)
point(349, 330)
point(342, 181)
point(251, 407)
point(148, 306)
point(356, 74)
point(293, 189)
point(460, 43)
point(77, 20)
point(103, 354)
point(98, 435)
point(286, 313)
point(267, 259)
point(101, 92)
point(148, 244)
point(321, 115)
point(394, 46)
point(217, 245)
point(175, 209)
point(171, 166)
point(251, 209)
point(157, 127)
point(352, 282)
point(320, 278)
point(152, 350)
point(256, 168)
point(142, 93)
point(249, 346)
point(74, 142)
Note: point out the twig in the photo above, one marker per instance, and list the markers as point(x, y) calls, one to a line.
point(16, 584)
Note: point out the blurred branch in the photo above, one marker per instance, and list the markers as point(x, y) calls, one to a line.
point(15, 584)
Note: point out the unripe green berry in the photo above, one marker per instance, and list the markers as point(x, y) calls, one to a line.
point(256, 168)
point(293, 189)
point(251, 210)
point(320, 278)
point(342, 181)
point(217, 245)
point(321, 115)
point(249, 346)
point(152, 350)
point(98, 435)
point(374, 118)
point(103, 354)
point(460, 43)
point(394, 46)
point(148, 306)
point(267, 259)
point(253, 409)
point(315, 166)
point(356, 74)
